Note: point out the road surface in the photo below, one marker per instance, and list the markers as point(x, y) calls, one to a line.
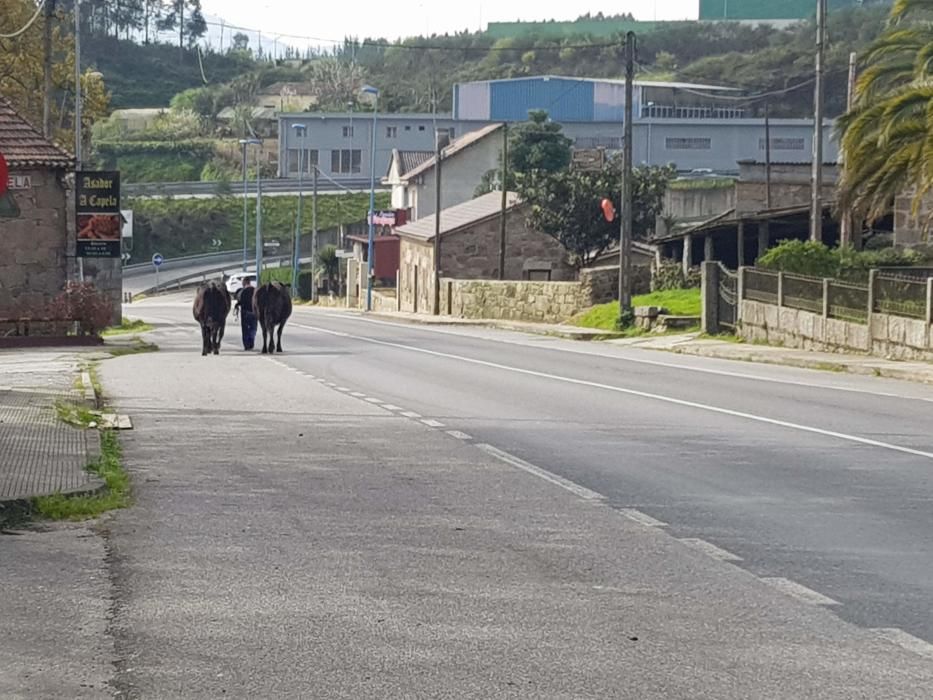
point(387, 510)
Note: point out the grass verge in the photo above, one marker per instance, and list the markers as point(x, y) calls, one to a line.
point(129, 325)
point(139, 346)
point(678, 302)
point(116, 492)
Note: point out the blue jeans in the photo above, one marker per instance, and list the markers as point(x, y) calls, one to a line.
point(248, 326)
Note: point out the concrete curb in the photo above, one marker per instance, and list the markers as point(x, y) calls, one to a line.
point(570, 333)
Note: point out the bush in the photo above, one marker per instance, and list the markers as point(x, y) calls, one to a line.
point(801, 258)
point(81, 302)
point(816, 260)
point(276, 274)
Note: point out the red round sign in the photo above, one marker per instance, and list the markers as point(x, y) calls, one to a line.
point(4, 175)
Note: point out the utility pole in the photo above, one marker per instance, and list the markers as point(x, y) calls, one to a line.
point(846, 223)
point(505, 197)
point(258, 214)
point(47, 69)
point(625, 234)
point(314, 231)
point(439, 144)
point(816, 179)
point(78, 136)
point(767, 155)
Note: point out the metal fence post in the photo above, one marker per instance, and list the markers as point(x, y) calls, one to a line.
point(780, 290)
point(739, 292)
point(872, 276)
point(929, 301)
point(826, 289)
point(398, 290)
point(710, 293)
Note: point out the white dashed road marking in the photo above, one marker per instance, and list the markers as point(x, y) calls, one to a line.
point(905, 640)
point(643, 518)
point(411, 414)
point(432, 423)
point(710, 549)
point(794, 589)
point(514, 461)
point(460, 436)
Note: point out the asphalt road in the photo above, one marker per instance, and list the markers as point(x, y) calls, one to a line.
point(386, 510)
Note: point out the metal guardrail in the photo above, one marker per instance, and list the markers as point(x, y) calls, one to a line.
point(235, 187)
point(205, 275)
point(186, 259)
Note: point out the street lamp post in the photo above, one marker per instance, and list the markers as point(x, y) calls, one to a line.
point(370, 90)
point(300, 131)
point(258, 211)
point(650, 118)
point(244, 143)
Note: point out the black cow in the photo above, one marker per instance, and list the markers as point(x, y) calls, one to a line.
point(211, 306)
point(272, 304)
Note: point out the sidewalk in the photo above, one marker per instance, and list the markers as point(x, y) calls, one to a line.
point(693, 344)
point(41, 455)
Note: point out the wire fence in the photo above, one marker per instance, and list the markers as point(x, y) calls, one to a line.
point(906, 294)
point(901, 295)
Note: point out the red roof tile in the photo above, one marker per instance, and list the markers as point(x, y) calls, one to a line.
point(23, 146)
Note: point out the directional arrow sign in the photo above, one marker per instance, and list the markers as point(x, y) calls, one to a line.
point(157, 260)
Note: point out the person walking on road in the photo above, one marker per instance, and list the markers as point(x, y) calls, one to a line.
point(244, 308)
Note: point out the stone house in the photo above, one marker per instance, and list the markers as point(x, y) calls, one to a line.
point(464, 162)
point(469, 250)
point(790, 185)
point(912, 220)
point(35, 247)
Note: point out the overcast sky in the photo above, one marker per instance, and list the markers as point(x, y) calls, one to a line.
point(382, 18)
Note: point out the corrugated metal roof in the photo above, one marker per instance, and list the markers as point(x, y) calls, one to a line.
point(458, 217)
point(455, 147)
point(613, 81)
point(23, 146)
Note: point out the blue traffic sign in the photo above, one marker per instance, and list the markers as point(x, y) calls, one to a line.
point(157, 260)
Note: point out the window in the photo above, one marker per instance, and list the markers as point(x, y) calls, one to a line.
point(688, 144)
point(408, 127)
point(784, 144)
point(345, 161)
point(306, 159)
point(391, 132)
point(348, 132)
point(453, 133)
point(421, 128)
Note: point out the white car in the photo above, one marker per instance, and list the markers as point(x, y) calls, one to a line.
point(235, 281)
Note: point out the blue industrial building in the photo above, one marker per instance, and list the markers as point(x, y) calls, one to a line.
point(691, 126)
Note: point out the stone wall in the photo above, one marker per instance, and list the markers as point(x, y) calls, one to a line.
point(544, 302)
point(34, 246)
point(415, 277)
point(885, 336)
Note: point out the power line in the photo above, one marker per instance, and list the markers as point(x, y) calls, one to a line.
point(28, 24)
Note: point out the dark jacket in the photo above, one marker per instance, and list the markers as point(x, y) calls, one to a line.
point(244, 299)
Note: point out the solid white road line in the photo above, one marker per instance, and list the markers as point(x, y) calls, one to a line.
point(639, 517)
point(709, 549)
point(640, 361)
point(514, 461)
point(643, 394)
point(905, 640)
point(795, 590)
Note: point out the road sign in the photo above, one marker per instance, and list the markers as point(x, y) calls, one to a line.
point(157, 260)
point(588, 159)
point(127, 215)
point(126, 258)
point(97, 205)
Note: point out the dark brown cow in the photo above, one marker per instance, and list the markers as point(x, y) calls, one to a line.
point(272, 304)
point(211, 306)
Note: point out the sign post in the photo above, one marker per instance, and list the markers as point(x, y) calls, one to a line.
point(97, 205)
point(157, 261)
point(4, 175)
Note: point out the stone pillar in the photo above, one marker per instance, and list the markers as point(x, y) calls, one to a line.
point(740, 245)
point(709, 293)
point(709, 248)
point(764, 237)
point(688, 254)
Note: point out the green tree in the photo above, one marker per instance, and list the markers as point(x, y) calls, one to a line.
point(566, 204)
point(886, 137)
point(329, 264)
point(538, 146)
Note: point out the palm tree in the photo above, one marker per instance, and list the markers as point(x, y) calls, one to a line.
point(887, 136)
